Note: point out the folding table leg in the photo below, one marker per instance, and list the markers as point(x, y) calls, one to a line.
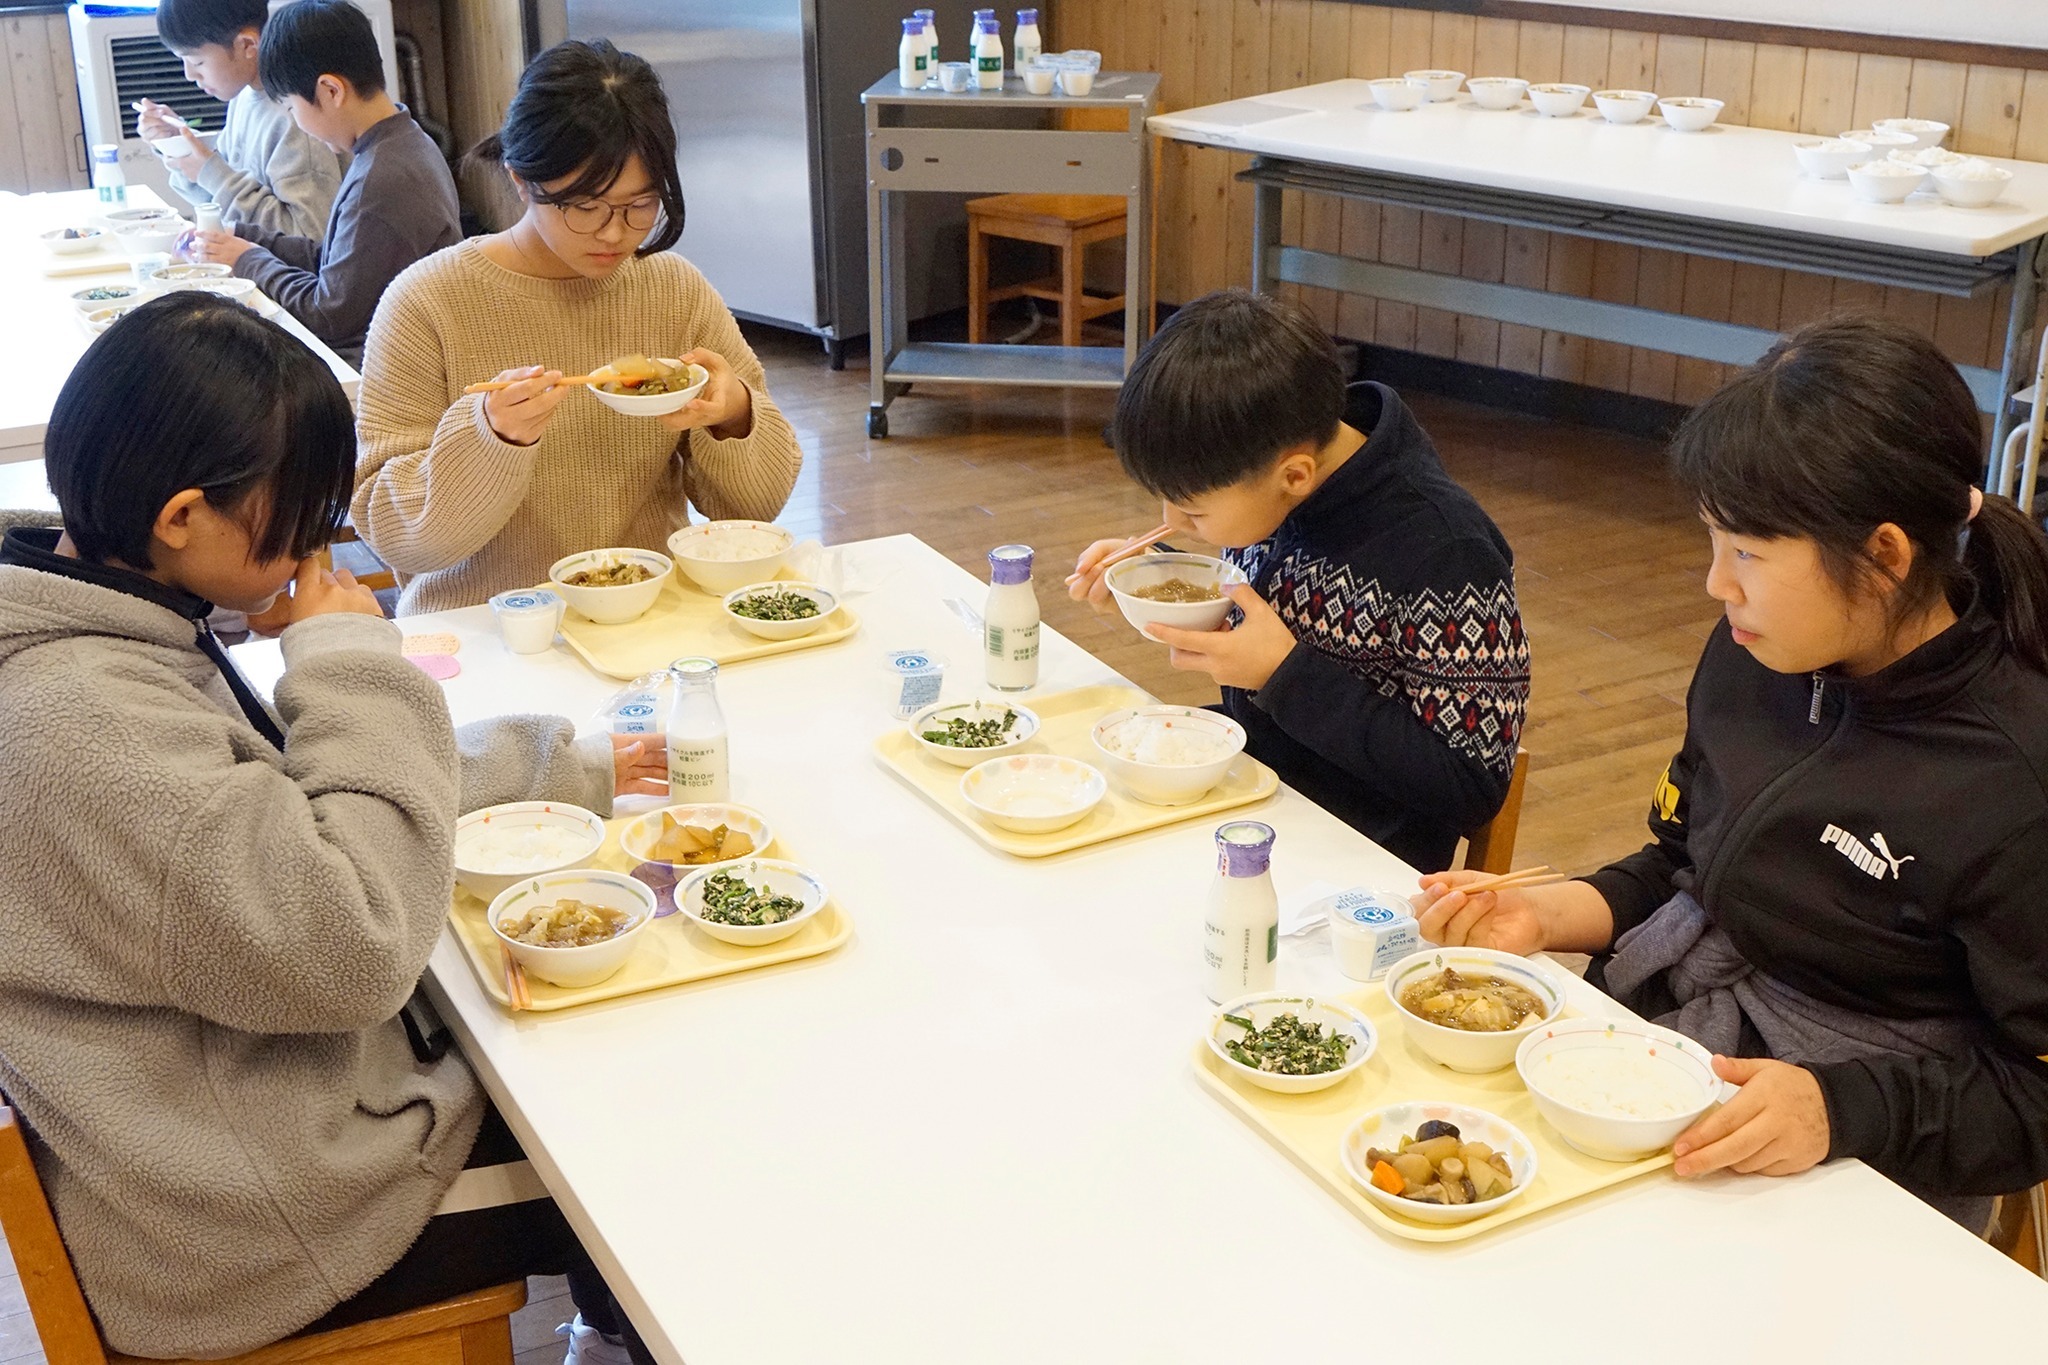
point(2019, 330)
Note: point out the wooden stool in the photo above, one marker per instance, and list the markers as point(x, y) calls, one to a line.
point(1069, 222)
point(473, 1329)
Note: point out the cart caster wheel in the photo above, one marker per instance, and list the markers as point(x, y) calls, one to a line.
point(878, 424)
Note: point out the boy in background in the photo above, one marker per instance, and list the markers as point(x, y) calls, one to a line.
point(262, 170)
point(397, 202)
point(1376, 660)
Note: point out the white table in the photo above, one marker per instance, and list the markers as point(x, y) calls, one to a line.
point(42, 336)
point(973, 1134)
point(1730, 192)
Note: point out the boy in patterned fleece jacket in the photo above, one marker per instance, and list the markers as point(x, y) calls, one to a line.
point(1376, 660)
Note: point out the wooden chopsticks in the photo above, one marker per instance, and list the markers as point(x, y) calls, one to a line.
point(493, 385)
point(1130, 549)
point(517, 993)
point(1514, 881)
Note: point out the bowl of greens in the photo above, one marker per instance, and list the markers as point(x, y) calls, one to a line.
point(751, 902)
point(1290, 1044)
point(964, 733)
point(780, 611)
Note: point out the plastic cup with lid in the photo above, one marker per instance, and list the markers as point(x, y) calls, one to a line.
point(956, 77)
point(527, 618)
point(147, 264)
point(912, 680)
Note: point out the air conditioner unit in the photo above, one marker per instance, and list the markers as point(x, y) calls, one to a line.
point(121, 60)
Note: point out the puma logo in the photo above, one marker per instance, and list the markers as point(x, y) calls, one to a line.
point(1877, 864)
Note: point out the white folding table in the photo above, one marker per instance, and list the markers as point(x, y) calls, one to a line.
point(973, 1133)
point(1729, 192)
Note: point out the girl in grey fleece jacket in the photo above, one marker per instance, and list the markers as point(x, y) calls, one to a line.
point(217, 912)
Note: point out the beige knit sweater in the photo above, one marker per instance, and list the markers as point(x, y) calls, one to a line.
point(460, 514)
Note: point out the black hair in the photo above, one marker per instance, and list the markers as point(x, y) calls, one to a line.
point(584, 110)
point(188, 25)
point(1231, 381)
point(309, 39)
point(193, 391)
point(1852, 423)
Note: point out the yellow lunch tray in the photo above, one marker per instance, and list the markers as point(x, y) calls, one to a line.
point(684, 620)
point(671, 952)
point(106, 260)
point(1065, 720)
point(1310, 1128)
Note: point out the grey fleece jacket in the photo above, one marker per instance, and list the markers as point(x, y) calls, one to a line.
point(208, 946)
point(267, 172)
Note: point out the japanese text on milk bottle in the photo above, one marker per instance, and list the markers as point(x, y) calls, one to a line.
point(988, 55)
point(931, 39)
point(1010, 620)
point(107, 176)
point(913, 55)
point(1027, 44)
point(697, 764)
point(1241, 928)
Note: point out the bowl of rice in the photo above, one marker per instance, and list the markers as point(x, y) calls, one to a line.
point(1619, 1091)
point(500, 845)
point(1971, 183)
point(1167, 755)
point(724, 556)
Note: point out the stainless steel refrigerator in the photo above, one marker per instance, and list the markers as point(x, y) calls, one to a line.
point(766, 99)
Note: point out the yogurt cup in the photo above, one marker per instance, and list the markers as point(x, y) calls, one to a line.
point(527, 619)
point(955, 77)
point(913, 679)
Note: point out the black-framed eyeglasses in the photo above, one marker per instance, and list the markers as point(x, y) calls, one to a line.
point(593, 216)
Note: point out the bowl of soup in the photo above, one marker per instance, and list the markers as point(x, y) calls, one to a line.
point(647, 386)
point(610, 586)
point(572, 928)
point(1470, 1008)
point(1173, 589)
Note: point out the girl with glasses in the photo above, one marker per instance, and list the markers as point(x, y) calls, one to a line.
point(465, 495)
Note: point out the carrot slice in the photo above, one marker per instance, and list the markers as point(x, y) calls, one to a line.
point(1385, 1177)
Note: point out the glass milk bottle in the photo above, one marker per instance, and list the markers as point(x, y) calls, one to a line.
point(697, 764)
point(988, 55)
point(913, 55)
point(1010, 620)
point(1027, 44)
point(931, 39)
point(1241, 928)
point(107, 176)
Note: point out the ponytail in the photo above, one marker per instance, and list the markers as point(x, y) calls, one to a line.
point(2008, 556)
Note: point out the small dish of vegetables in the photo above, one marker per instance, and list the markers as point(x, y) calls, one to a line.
point(780, 611)
point(1291, 1044)
point(751, 901)
point(963, 734)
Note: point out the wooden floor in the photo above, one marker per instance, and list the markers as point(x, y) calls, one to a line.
point(1609, 561)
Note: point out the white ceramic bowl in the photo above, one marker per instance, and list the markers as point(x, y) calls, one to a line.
point(150, 235)
point(128, 296)
point(827, 602)
point(1443, 85)
point(1458, 1049)
point(57, 244)
point(592, 963)
point(1262, 1008)
point(1559, 100)
point(117, 218)
point(1882, 140)
point(719, 556)
point(1033, 793)
point(484, 883)
point(1925, 132)
point(1384, 1128)
point(1021, 733)
point(638, 837)
point(176, 145)
point(240, 291)
point(653, 404)
point(1603, 1131)
point(100, 319)
point(1496, 92)
point(1689, 113)
point(1398, 93)
point(1624, 106)
point(1971, 184)
point(183, 274)
point(772, 875)
point(1930, 157)
point(1885, 182)
point(1162, 784)
point(610, 606)
point(1829, 158)
point(1149, 571)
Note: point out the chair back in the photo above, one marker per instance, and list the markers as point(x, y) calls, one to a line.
point(47, 1280)
point(1491, 847)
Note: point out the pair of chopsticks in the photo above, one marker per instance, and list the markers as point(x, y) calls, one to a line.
point(1514, 881)
point(517, 994)
point(494, 385)
point(1130, 549)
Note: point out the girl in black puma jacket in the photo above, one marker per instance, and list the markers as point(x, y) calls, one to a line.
point(1860, 807)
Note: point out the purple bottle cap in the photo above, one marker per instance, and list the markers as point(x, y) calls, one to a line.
point(1009, 564)
point(1244, 848)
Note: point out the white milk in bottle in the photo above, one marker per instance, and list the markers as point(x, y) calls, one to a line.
point(913, 55)
point(698, 768)
point(1241, 928)
point(1027, 44)
point(988, 55)
point(931, 40)
point(1010, 620)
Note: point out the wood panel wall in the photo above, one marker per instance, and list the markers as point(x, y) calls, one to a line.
point(42, 134)
point(486, 51)
point(1213, 50)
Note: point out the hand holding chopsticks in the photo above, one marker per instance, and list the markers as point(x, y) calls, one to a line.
point(567, 381)
point(1081, 583)
point(1459, 909)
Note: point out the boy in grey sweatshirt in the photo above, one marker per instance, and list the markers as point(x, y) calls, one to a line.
point(263, 170)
